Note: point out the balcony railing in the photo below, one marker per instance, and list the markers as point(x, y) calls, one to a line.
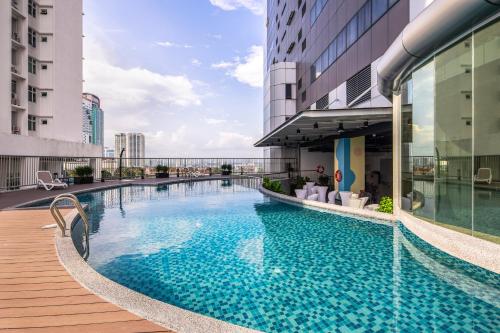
point(17, 172)
point(16, 37)
point(15, 4)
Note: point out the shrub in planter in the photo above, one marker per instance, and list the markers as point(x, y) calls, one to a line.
point(162, 171)
point(227, 169)
point(323, 180)
point(272, 185)
point(385, 205)
point(83, 175)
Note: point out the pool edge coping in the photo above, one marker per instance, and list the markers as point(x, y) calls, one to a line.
point(472, 250)
point(161, 313)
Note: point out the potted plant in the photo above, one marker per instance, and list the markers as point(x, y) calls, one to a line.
point(162, 171)
point(83, 175)
point(142, 173)
point(385, 205)
point(226, 169)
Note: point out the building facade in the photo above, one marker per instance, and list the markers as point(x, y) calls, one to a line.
point(93, 120)
point(134, 146)
point(443, 76)
point(321, 102)
point(109, 152)
point(41, 78)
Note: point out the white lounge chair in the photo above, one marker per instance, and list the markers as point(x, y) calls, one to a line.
point(331, 196)
point(301, 194)
point(345, 196)
point(45, 180)
point(483, 176)
point(313, 197)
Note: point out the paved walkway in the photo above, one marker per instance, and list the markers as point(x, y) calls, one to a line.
point(36, 292)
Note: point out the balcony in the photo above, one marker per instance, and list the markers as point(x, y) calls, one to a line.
point(16, 41)
point(15, 4)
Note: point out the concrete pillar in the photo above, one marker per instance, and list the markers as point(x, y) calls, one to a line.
point(396, 152)
point(350, 161)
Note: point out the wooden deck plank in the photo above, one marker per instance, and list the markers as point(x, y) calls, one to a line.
point(38, 295)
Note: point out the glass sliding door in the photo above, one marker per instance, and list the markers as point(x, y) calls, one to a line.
point(486, 71)
point(422, 148)
point(453, 136)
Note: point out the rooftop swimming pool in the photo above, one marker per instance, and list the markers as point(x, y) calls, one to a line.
point(223, 249)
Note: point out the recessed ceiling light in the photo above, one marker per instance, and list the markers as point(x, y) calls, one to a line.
point(340, 129)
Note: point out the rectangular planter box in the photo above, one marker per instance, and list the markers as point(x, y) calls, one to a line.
point(83, 180)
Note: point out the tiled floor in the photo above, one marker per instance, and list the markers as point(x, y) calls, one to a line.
point(36, 292)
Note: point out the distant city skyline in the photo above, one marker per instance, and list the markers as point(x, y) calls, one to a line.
point(192, 86)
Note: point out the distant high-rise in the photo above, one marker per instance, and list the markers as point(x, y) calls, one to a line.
point(93, 120)
point(109, 152)
point(135, 148)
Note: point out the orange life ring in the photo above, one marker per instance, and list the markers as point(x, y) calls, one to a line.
point(338, 176)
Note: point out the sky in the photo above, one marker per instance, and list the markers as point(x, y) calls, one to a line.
point(186, 73)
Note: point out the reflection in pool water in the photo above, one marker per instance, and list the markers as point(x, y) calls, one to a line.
point(231, 253)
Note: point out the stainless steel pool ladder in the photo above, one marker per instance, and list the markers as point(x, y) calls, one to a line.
point(61, 222)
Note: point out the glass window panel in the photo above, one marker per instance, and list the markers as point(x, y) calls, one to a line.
point(352, 31)
point(332, 52)
point(319, 67)
point(324, 60)
point(422, 147)
point(453, 137)
point(341, 43)
point(486, 92)
point(364, 18)
point(406, 141)
point(379, 7)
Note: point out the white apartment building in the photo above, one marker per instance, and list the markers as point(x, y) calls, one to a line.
point(41, 79)
point(135, 147)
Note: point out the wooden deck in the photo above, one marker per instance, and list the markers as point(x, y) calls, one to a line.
point(36, 292)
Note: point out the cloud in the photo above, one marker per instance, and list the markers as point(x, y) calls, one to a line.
point(195, 62)
point(230, 140)
point(215, 36)
point(255, 6)
point(170, 44)
point(249, 70)
point(134, 88)
point(213, 121)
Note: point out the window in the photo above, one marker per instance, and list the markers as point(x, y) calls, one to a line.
point(283, 37)
point(316, 10)
point(44, 122)
point(44, 67)
point(341, 43)
point(324, 60)
point(32, 8)
point(304, 44)
point(290, 48)
point(379, 7)
point(31, 123)
point(332, 52)
point(31, 65)
point(288, 91)
point(352, 31)
point(32, 37)
point(299, 35)
point(43, 11)
point(299, 3)
point(44, 39)
point(44, 94)
point(304, 96)
point(304, 9)
point(364, 18)
point(31, 94)
point(299, 84)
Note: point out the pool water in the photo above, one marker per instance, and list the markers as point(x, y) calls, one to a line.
point(225, 250)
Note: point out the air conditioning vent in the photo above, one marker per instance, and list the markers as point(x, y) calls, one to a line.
point(358, 84)
point(322, 103)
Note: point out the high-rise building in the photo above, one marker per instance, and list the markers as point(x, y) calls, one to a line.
point(321, 102)
point(134, 148)
point(109, 152)
point(41, 62)
point(93, 120)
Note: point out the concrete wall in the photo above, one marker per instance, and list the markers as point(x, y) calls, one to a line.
point(310, 160)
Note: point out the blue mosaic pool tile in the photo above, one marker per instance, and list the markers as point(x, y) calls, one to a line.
point(232, 254)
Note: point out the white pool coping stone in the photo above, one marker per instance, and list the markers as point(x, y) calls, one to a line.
point(163, 314)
